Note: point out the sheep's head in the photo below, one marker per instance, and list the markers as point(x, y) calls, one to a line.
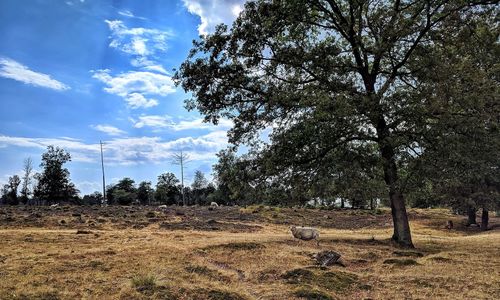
point(293, 228)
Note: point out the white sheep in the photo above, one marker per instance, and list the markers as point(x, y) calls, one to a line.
point(214, 204)
point(162, 207)
point(55, 205)
point(305, 233)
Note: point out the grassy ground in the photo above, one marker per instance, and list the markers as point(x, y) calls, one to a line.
point(233, 253)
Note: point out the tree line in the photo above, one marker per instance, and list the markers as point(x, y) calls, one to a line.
point(53, 185)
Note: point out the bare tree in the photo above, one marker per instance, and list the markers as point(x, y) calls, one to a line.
point(27, 179)
point(181, 159)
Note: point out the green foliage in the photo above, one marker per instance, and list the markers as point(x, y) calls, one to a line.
point(122, 193)
point(93, 199)
point(167, 189)
point(145, 192)
point(53, 183)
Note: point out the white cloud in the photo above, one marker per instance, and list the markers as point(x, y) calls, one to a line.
point(156, 121)
point(132, 86)
point(136, 100)
point(214, 12)
point(152, 121)
point(129, 150)
point(87, 187)
point(14, 70)
point(111, 130)
point(137, 41)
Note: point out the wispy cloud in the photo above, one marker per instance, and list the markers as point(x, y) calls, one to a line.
point(165, 121)
point(137, 41)
point(129, 14)
point(14, 70)
point(152, 121)
point(111, 130)
point(214, 12)
point(132, 86)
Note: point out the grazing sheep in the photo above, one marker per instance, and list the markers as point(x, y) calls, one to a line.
point(162, 207)
point(55, 205)
point(214, 204)
point(305, 233)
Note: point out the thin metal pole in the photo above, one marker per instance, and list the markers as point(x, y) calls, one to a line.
point(182, 179)
point(103, 178)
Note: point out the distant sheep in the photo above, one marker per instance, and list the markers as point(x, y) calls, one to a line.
point(214, 204)
point(55, 205)
point(162, 207)
point(305, 233)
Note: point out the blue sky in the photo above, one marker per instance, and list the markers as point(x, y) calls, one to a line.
point(73, 72)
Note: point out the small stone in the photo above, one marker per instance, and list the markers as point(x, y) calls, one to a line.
point(327, 258)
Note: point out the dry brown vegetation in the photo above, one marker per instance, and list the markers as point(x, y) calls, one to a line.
point(238, 253)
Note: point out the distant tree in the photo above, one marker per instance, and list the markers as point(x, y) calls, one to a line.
point(181, 159)
point(127, 184)
point(92, 199)
point(124, 192)
point(53, 183)
point(167, 189)
point(27, 180)
point(110, 199)
point(199, 189)
point(4, 193)
point(234, 176)
point(9, 191)
point(199, 181)
point(145, 192)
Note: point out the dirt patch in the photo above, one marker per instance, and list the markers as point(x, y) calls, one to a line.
point(408, 253)
point(440, 259)
point(205, 271)
point(401, 262)
point(236, 246)
point(190, 224)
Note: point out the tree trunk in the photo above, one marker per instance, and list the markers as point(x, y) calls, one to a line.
point(471, 215)
point(484, 219)
point(342, 204)
point(402, 234)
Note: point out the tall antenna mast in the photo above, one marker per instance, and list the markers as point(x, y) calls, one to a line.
point(103, 178)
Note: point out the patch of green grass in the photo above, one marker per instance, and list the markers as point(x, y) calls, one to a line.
point(205, 271)
point(144, 282)
point(401, 262)
point(214, 294)
point(332, 281)
point(309, 293)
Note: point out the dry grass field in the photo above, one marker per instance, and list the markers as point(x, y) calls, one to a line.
point(239, 253)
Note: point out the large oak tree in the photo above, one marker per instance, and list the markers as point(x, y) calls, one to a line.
point(325, 74)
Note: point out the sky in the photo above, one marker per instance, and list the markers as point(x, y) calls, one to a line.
point(75, 72)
